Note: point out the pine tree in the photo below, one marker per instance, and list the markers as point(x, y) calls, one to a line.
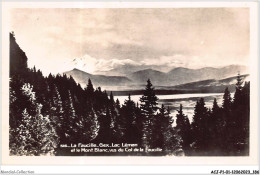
point(100, 102)
point(238, 88)
point(217, 130)
point(90, 90)
point(159, 127)
point(21, 141)
point(227, 101)
point(111, 98)
point(105, 132)
point(126, 128)
point(238, 93)
point(88, 126)
point(149, 100)
point(117, 104)
point(171, 138)
point(200, 129)
point(244, 151)
point(229, 122)
point(94, 125)
point(114, 116)
point(112, 108)
point(148, 108)
point(70, 120)
point(238, 103)
point(238, 128)
point(57, 111)
point(184, 130)
point(216, 122)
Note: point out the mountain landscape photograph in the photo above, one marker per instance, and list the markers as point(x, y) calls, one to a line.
point(129, 82)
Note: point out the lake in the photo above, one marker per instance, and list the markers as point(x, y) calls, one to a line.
point(188, 101)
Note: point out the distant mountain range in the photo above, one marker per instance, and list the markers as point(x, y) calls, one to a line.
point(176, 76)
point(210, 85)
point(114, 67)
point(181, 75)
point(127, 69)
point(82, 77)
point(205, 86)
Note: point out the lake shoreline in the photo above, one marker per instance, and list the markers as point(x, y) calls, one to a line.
point(163, 92)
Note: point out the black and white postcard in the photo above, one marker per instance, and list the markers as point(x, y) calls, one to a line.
point(119, 83)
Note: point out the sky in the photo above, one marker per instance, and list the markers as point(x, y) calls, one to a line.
point(186, 37)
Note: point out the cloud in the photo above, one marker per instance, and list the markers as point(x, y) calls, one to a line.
point(195, 61)
point(175, 61)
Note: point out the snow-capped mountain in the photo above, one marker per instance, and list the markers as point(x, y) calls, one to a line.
point(92, 65)
point(115, 67)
